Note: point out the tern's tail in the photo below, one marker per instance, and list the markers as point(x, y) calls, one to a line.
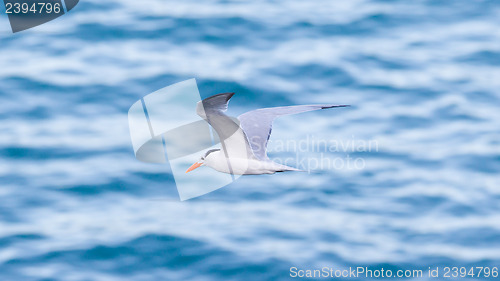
point(284, 168)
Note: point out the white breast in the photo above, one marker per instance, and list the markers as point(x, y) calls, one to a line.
point(241, 166)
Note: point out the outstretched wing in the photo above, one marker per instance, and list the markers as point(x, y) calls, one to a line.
point(233, 139)
point(257, 124)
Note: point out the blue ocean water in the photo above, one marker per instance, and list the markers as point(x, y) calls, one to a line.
point(422, 78)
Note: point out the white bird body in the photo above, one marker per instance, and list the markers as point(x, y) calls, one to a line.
point(243, 140)
point(243, 166)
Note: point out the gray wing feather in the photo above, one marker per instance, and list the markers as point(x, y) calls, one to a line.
point(233, 139)
point(214, 104)
point(257, 124)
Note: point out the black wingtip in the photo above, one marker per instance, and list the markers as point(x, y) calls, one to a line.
point(332, 106)
point(229, 95)
point(225, 96)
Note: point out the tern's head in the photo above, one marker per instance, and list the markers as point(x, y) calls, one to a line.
point(208, 157)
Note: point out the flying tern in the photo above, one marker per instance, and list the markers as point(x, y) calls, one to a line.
point(244, 140)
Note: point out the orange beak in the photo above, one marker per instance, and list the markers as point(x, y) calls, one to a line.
point(194, 166)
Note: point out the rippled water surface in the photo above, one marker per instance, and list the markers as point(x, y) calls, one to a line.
point(423, 79)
